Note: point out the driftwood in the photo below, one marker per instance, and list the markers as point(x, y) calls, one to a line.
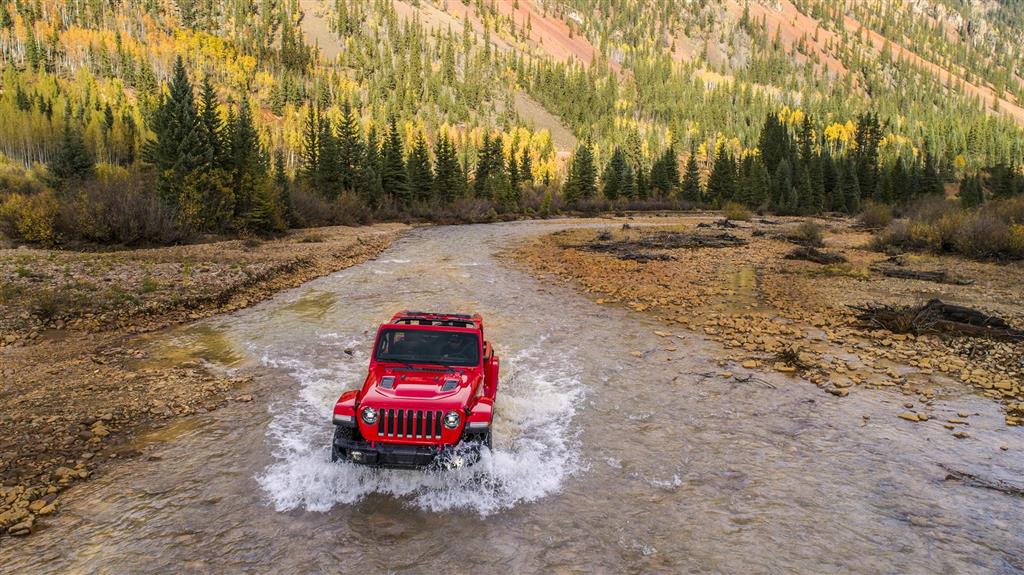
point(639, 249)
point(815, 255)
point(722, 223)
point(938, 317)
point(938, 276)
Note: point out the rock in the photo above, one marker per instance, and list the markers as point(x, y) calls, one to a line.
point(909, 416)
point(244, 398)
point(662, 333)
point(839, 392)
point(51, 508)
point(21, 529)
point(1004, 447)
point(750, 364)
point(961, 435)
point(36, 505)
point(784, 368)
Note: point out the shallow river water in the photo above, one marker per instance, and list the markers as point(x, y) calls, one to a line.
point(605, 460)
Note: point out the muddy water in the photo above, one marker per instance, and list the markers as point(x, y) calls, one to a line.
point(603, 461)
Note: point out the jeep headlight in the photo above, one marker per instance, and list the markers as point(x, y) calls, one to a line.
point(368, 415)
point(451, 419)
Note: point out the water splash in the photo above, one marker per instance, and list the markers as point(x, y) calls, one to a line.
point(535, 447)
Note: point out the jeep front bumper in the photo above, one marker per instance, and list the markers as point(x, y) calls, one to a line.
point(401, 456)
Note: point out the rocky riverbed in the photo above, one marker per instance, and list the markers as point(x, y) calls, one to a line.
point(768, 312)
point(79, 381)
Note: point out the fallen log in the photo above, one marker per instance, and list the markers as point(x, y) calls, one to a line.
point(639, 249)
point(938, 317)
point(815, 255)
point(938, 276)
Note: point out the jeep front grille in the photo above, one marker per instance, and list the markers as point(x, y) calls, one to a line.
point(409, 424)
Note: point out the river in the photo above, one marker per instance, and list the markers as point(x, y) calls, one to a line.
point(616, 450)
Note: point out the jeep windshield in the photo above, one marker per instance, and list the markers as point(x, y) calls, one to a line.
point(428, 346)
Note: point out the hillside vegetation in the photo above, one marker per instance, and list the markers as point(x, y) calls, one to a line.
point(145, 121)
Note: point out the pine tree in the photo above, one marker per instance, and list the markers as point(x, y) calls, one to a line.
point(483, 169)
point(849, 188)
point(211, 128)
point(971, 191)
point(691, 180)
point(665, 173)
point(394, 178)
point(328, 180)
point(930, 182)
point(526, 167)
point(901, 189)
point(760, 183)
point(722, 180)
point(73, 161)
point(581, 183)
point(249, 171)
point(448, 183)
point(370, 187)
point(311, 145)
point(775, 142)
point(284, 187)
point(421, 175)
point(628, 187)
point(614, 172)
point(176, 148)
point(350, 150)
point(868, 137)
point(885, 192)
point(782, 187)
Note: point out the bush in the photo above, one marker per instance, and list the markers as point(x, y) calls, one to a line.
point(736, 211)
point(875, 216)
point(993, 231)
point(121, 210)
point(984, 236)
point(30, 217)
point(309, 209)
point(808, 233)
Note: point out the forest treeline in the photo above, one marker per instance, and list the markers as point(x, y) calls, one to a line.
point(137, 121)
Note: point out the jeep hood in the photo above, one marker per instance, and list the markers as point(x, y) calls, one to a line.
point(412, 385)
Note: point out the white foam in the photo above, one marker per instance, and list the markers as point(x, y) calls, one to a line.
point(535, 445)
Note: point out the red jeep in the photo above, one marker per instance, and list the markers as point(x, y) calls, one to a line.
point(428, 396)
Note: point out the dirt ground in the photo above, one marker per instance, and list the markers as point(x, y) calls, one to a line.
point(773, 313)
point(75, 383)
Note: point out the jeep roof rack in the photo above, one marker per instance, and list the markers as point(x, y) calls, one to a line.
point(439, 319)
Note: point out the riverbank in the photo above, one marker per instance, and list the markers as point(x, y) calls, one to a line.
point(732, 282)
point(76, 385)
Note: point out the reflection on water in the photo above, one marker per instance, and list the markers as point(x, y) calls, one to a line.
point(313, 304)
point(739, 290)
point(200, 341)
point(613, 453)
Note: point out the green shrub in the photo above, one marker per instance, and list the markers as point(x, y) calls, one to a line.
point(875, 216)
point(736, 211)
point(808, 233)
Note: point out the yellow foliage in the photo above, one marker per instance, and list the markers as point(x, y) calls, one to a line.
point(30, 217)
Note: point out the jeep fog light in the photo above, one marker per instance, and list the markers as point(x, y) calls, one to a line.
point(451, 419)
point(369, 415)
